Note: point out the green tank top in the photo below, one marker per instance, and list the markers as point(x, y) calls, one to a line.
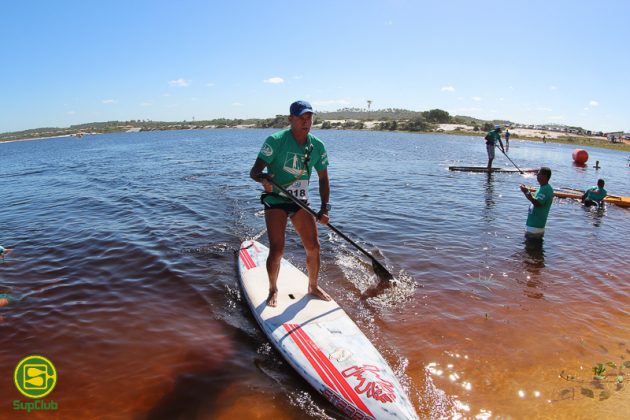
point(291, 163)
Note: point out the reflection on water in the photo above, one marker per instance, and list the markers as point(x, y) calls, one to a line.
point(533, 260)
point(535, 252)
point(595, 213)
point(489, 200)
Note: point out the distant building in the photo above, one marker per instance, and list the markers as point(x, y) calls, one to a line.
point(615, 136)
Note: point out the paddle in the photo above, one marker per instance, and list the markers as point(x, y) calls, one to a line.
point(380, 271)
point(572, 189)
point(519, 169)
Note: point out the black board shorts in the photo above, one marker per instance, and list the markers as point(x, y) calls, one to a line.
point(289, 208)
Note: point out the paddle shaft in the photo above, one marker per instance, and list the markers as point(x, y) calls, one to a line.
point(331, 226)
point(519, 169)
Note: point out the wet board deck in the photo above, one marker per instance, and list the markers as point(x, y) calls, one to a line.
point(485, 169)
point(320, 341)
point(617, 200)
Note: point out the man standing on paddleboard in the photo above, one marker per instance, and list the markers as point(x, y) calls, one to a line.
point(290, 156)
point(540, 204)
point(491, 140)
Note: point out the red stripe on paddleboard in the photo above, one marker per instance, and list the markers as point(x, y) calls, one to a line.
point(291, 329)
point(313, 351)
point(247, 259)
point(346, 389)
point(320, 358)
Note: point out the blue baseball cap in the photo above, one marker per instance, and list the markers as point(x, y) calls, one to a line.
point(497, 126)
point(299, 108)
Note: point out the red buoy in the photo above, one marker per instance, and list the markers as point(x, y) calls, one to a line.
point(580, 156)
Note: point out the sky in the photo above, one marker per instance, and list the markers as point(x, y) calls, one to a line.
point(528, 61)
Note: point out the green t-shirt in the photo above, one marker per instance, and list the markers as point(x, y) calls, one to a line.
point(537, 216)
point(493, 137)
point(285, 160)
point(595, 194)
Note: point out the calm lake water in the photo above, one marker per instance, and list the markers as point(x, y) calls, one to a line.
point(125, 269)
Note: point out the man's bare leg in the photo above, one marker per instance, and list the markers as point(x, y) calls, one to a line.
point(276, 220)
point(306, 227)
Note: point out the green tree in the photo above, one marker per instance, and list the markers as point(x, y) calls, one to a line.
point(437, 116)
point(418, 124)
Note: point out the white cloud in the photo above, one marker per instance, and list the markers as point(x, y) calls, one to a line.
point(210, 84)
point(329, 102)
point(593, 103)
point(557, 117)
point(274, 80)
point(389, 22)
point(179, 83)
point(71, 112)
point(167, 95)
point(542, 108)
point(146, 104)
point(109, 101)
point(447, 89)
point(298, 77)
point(552, 87)
point(237, 104)
point(475, 98)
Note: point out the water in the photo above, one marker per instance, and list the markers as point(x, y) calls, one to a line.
point(125, 271)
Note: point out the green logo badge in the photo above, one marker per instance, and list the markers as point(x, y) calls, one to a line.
point(35, 376)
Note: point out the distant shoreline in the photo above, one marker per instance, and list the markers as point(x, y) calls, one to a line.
point(517, 134)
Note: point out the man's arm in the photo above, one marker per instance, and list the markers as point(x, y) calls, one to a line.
point(324, 194)
point(501, 143)
point(530, 197)
point(256, 173)
point(257, 169)
point(324, 186)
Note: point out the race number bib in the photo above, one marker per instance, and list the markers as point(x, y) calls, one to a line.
point(298, 189)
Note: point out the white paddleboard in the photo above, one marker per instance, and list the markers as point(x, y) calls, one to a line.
point(321, 342)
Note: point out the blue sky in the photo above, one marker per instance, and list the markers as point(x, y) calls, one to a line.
point(71, 62)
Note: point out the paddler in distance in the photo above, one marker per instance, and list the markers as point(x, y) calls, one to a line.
point(289, 156)
point(491, 140)
point(594, 196)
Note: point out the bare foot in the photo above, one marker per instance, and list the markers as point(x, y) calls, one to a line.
point(319, 292)
point(272, 299)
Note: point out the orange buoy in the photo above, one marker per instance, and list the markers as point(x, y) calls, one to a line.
point(580, 156)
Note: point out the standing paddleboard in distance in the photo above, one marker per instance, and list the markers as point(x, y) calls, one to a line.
point(493, 169)
point(320, 341)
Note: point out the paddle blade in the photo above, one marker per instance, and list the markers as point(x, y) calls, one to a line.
point(381, 272)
